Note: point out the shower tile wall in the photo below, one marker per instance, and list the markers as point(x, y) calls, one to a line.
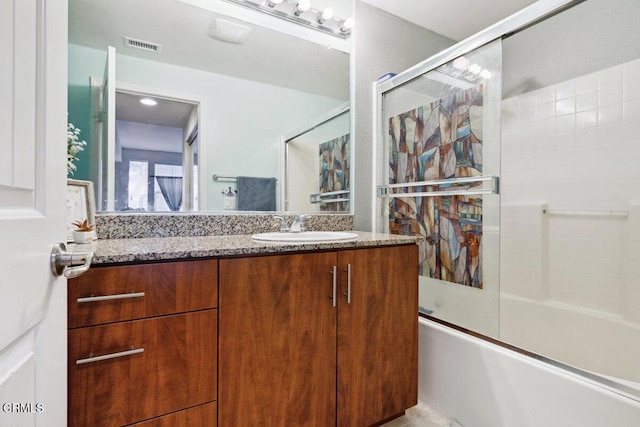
point(574, 146)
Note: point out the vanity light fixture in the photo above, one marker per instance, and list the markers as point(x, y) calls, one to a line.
point(148, 101)
point(301, 12)
point(462, 69)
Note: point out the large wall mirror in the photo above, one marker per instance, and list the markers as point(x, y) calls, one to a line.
point(182, 102)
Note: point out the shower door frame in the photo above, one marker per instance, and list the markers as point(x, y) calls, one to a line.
point(519, 21)
point(291, 135)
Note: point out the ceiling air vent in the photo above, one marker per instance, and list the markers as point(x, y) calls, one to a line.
point(143, 45)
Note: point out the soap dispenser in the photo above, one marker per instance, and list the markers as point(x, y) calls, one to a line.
point(230, 199)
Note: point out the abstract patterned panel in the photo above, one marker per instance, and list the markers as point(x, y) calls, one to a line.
point(452, 227)
point(437, 142)
point(334, 171)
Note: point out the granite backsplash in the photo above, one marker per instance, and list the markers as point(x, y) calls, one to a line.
point(137, 225)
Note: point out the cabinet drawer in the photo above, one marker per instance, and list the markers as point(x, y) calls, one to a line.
point(130, 371)
point(111, 294)
point(203, 415)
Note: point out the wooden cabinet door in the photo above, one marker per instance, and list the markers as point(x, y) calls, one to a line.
point(140, 369)
point(199, 416)
point(128, 292)
point(377, 334)
point(277, 341)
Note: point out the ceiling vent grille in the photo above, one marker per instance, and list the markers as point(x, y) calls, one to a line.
point(142, 45)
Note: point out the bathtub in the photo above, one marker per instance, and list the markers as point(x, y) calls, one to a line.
point(588, 339)
point(481, 384)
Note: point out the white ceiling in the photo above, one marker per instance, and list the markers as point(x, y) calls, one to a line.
point(150, 137)
point(456, 19)
point(165, 113)
point(157, 127)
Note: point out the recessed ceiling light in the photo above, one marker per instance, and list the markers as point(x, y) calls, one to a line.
point(148, 101)
point(230, 32)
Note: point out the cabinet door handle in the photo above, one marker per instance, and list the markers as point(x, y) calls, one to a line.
point(111, 297)
point(348, 293)
point(334, 291)
point(109, 356)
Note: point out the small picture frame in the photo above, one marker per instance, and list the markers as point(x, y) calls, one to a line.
point(80, 204)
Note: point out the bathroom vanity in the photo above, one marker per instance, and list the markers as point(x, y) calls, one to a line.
point(224, 330)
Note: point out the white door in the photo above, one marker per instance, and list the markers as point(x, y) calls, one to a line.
point(108, 140)
point(33, 98)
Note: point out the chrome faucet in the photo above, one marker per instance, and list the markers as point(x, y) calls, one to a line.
point(298, 224)
point(283, 223)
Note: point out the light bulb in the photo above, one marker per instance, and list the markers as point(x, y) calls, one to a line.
point(302, 6)
point(347, 25)
point(326, 14)
point(475, 69)
point(461, 63)
point(485, 74)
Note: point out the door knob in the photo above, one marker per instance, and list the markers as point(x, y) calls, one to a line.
point(71, 264)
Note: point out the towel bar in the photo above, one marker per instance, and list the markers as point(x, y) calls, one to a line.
point(231, 178)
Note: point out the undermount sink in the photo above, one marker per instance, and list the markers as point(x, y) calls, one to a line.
point(305, 236)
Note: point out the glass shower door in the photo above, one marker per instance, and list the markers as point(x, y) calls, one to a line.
point(438, 167)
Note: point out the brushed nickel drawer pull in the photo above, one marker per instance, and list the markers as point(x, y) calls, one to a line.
point(111, 297)
point(109, 356)
point(348, 284)
point(334, 283)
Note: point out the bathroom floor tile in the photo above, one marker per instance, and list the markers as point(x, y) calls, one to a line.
point(421, 416)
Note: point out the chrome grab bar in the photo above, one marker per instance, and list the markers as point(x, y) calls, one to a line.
point(322, 197)
point(109, 356)
point(585, 213)
point(383, 191)
point(110, 297)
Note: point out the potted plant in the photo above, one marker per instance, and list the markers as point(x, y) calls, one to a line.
point(74, 146)
point(84, 232)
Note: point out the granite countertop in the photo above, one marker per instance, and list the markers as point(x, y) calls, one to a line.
point(112, 251)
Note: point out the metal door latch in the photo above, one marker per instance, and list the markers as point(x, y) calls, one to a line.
point(71, 264)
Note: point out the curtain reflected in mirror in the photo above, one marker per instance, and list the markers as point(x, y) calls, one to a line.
point(171, 188)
